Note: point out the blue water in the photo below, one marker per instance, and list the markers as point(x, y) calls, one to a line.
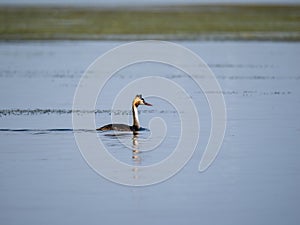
point(254, 180)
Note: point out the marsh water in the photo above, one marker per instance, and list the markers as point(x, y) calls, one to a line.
point(254, 179)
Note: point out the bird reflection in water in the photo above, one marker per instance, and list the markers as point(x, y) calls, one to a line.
point(135, 155)
point(135, 150)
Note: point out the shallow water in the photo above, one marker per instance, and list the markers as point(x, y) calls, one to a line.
point(254, 180)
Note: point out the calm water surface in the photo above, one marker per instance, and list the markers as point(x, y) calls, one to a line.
point(254, 180)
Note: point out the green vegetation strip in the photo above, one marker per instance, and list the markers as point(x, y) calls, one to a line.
point(238, 22)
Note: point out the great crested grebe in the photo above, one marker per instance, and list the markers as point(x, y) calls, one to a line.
point(138, 100)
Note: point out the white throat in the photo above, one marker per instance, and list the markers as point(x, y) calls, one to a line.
point(136, 122)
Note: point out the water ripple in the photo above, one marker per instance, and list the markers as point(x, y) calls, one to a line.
point(32, 112)
point(43, 131)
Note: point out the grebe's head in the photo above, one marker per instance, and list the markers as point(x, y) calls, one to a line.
point(138, 100)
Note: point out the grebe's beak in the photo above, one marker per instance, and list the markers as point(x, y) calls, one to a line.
point(148, 104)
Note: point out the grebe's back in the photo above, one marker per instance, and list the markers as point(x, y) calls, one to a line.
point(116, 126)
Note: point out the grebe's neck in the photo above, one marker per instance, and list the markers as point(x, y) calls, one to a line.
point(136, 123)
